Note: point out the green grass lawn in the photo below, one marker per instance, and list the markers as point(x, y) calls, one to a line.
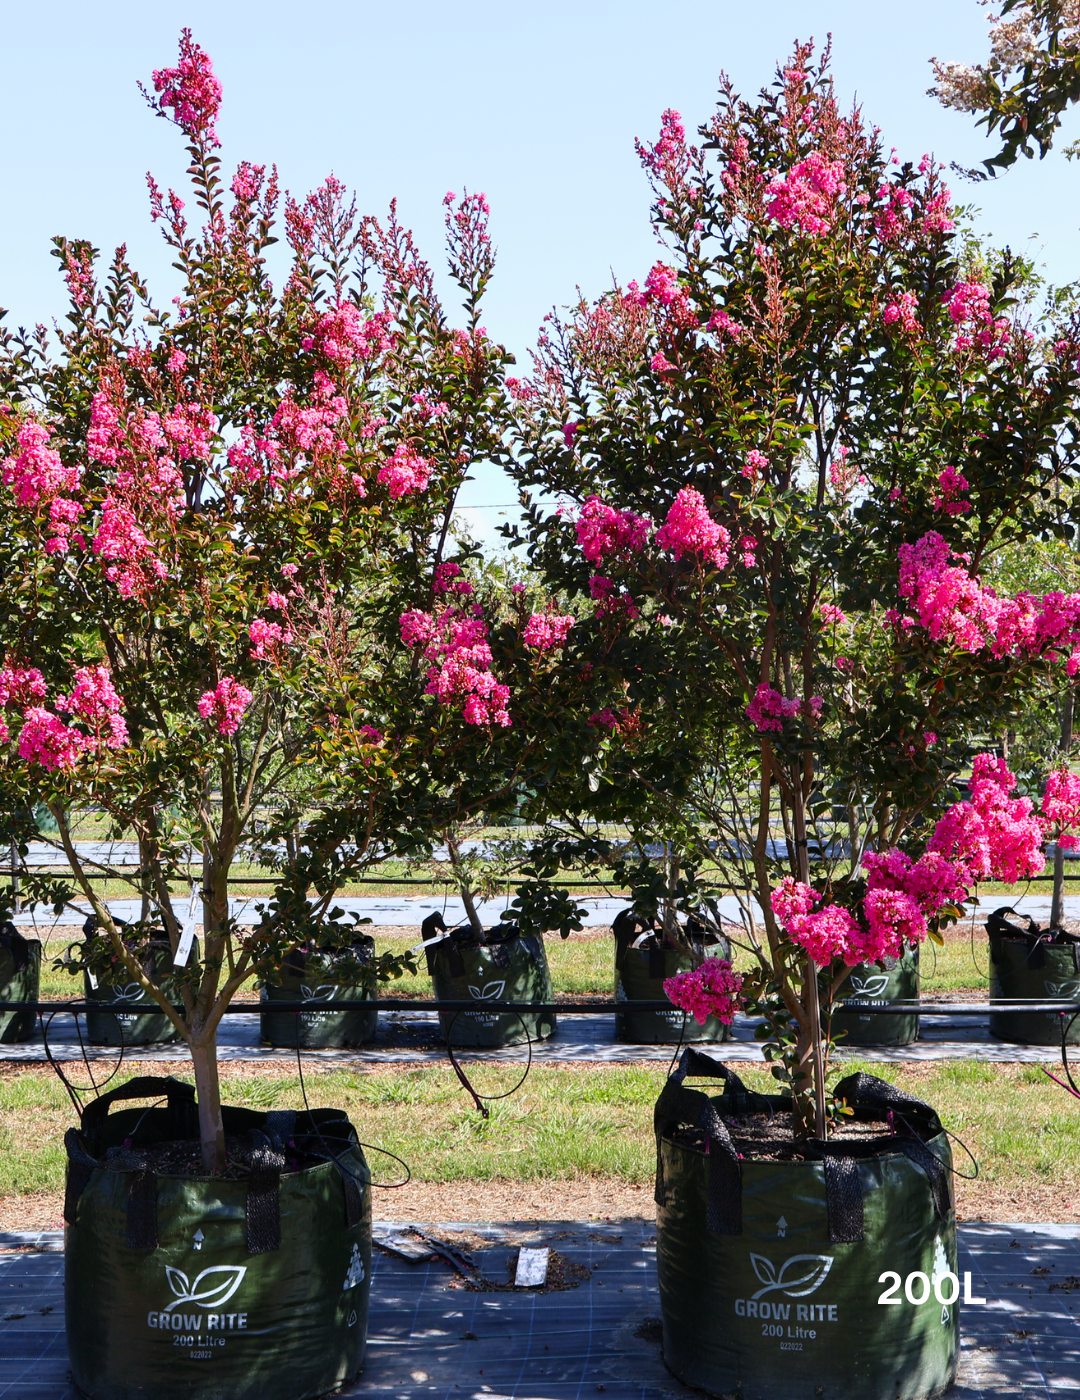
point(570, 1122)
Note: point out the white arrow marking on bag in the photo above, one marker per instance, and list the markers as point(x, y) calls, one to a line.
point(197, 1239)
point(216, 1296)
point(781, 1229)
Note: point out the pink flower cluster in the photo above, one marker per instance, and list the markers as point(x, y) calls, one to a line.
point(689, 529)
point(299, 438)
point(768, 709)
point(39, 479)
point(45, 738)
point(545, 631)
point(603, 530)
point(953, 485)
point(1061, 806)
point(225, 704)
point(712, 989)
point(190, 91)
point(450, 579)
point(405, 472)
point(722, 324)
point(805, 199)
point(903, 894)
point(993, 836)
point(903, 310)
point(611, 600)
point(269, 639)
point(756, 462)
point(891, 220)
point(825, 934)
point(831, 615)
point(343, 336)
point(954, 607)
point(968, 305)
point(455, 642)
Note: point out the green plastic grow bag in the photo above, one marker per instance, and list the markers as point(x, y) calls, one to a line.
point(772, 1272)
point(870, 984)
point(1032, 963)
point(644, 959)
point(315, 976)
point(137, 1025)
point(193, 1288)
point(505, 967)
point(20, 980)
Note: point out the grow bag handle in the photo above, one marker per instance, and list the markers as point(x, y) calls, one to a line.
point(16, 944)
point(179, 1096)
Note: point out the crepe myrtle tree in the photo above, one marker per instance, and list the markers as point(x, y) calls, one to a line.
point(236, 617)
point(781, 462)
point(1029, 79)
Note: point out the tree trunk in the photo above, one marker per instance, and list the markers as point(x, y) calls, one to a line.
point(1057, 902)
point(211, 1128)
point(810, 1000)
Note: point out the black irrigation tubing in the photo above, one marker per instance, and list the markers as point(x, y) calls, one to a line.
point(1017, 1006)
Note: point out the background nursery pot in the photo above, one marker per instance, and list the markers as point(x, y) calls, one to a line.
point(1032, 962)
point(506, 966)
point(644, 958)
point(891, 979)
point(20, 980)
point(251, 1286)
point(138, 1026)
point(769, 1269)
point(315, 975)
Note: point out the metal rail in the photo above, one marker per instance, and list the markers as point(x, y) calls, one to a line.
point(1012, 1006)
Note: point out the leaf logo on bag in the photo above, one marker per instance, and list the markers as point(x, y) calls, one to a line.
point(870, 986)
point(213, 1294)
point(319, 993)
point(132, 992)
point(1063, 989)
point(798, 1276)
point(492, 992)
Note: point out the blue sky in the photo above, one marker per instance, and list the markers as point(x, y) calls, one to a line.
point(537, 106)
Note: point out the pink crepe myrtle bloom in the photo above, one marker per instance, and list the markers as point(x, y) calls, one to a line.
point(94, 701)
point(689, 529)
point(602, 530)
point(545, 631)
point(190, 95)
point(611, 600)
point(993, 836)
point(1061, 807)
point(660, 364)
point(40, 482)
point(450, 579)
point(405, 472)
point(723, 325)
point(768, 709)
point(344, 336)
point(831, 615)
point(47, 740)
point(824, 934)
point(225, 704)
point(268, 639)
point(756, 462)
point(903, 310)
point(805, 198)
point(569, 432)
point(953, 485)
point(455, 643)
point(713, 989)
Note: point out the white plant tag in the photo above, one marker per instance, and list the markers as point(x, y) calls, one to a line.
point(187, 932)
point(429, 942)
point(532, 1267)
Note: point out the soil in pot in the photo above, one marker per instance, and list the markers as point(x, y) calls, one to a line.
point(252, 1284)
point(503, 965)
point(20, 980)
point(644, 958)
point(772, 1255)
point(1037, 963)
point(314, 975)
point(871, 984)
